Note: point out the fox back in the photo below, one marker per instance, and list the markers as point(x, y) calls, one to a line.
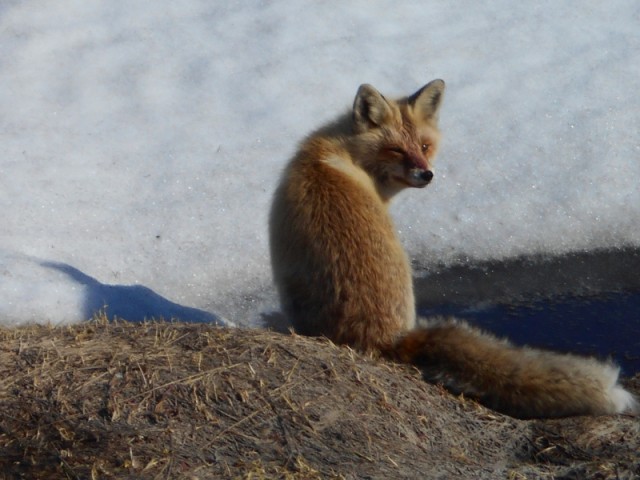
point(338, 264)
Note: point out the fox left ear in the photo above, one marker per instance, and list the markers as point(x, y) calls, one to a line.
point(428, 99)
point(370, 109)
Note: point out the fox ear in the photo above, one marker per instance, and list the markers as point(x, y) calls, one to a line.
point(428, 99)
point(370, 109)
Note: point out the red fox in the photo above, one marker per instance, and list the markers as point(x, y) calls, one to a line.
point(341, 271)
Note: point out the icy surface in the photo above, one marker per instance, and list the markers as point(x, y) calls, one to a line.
point(141, 141)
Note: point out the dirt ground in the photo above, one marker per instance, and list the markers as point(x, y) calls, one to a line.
point(106, 400)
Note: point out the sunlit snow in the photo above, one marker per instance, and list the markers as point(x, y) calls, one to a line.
point(141, 141)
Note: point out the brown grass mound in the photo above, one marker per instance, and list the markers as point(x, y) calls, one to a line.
point(171, 400)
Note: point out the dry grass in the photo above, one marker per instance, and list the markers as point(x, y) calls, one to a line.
point(170, 400)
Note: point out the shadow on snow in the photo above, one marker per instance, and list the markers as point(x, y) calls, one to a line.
point(131, 302)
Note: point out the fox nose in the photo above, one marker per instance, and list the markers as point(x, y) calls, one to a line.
point(426, 175)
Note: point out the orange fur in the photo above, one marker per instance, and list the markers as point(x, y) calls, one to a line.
point(341, 271)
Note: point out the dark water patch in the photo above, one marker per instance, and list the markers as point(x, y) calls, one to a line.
point(605, 326)
point(586, 303)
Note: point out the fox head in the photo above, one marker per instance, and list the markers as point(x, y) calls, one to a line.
point(396, 140)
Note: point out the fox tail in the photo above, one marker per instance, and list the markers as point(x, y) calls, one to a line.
point(520, 381)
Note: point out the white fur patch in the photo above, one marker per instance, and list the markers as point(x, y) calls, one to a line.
point(622, 400)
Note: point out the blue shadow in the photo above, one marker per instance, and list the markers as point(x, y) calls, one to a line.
point(585, 302)
point(135, 303)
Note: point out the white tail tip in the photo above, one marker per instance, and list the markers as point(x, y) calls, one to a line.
point(623, 401)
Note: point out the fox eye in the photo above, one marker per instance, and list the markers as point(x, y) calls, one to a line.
point(397, 150)
point(425, 147)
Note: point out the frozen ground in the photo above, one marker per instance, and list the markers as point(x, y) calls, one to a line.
point(141, 141)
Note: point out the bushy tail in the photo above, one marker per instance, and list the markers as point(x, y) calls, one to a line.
point(519, 381)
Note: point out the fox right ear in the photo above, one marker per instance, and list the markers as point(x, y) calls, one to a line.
point(428, 99)
point(370, 109)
